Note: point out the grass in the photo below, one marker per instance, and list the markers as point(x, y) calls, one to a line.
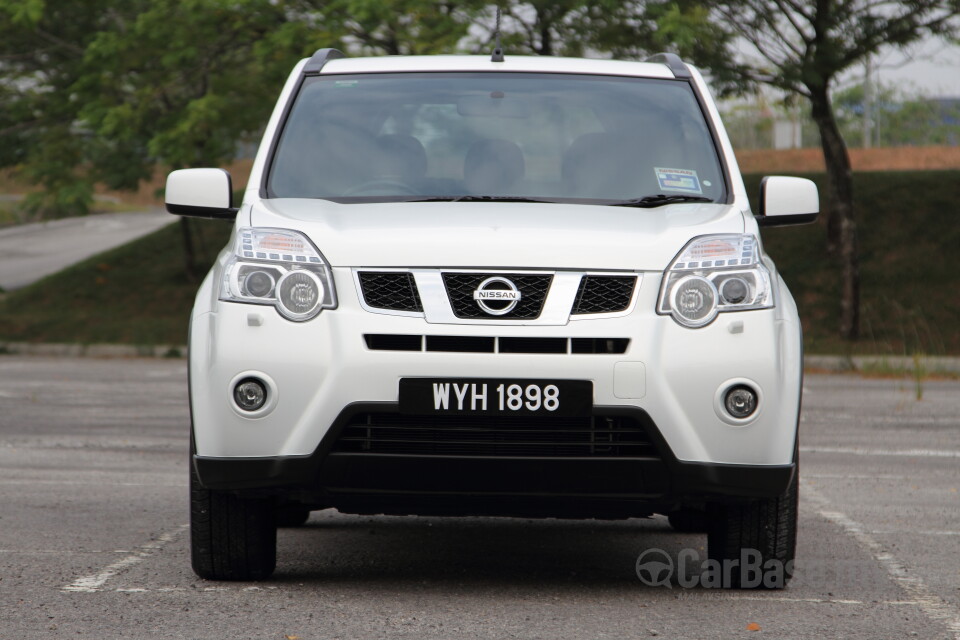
point(11, 212)
point(910, 276)
point(134, 294)
point(8, 213)
point(138, 294)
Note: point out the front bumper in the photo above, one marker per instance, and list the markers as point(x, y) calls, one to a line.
point(359, 482)
point(322, 368)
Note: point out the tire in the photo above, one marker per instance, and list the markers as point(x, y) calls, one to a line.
point(761, 534)
point(231, 538)
point(689, 521)
point(292, 515)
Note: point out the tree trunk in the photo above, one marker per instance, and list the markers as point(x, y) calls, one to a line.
point(546, 38)
point(842, 242)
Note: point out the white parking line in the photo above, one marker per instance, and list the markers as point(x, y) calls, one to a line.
point(886, 532)
point(826, 415)
point(854, 476)
point(911, 453)
point(919, 593)
point(236, 589)
point(80, 483)
point(58, 552)
point(95, 582)
point(814, 600)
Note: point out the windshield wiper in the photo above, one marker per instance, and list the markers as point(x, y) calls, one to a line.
point(658, 200)
point(469, 198)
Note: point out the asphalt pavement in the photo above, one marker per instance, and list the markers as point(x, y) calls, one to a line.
point(93, 534)
point(30, 252)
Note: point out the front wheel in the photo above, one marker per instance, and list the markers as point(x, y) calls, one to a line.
point(231, 538)
point(688, 520)
point(292, 516)
point(755, 543)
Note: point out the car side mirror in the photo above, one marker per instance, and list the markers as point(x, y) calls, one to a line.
point(785, 200)
point(200, 193)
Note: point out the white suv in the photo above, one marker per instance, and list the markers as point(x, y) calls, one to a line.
point(463, 286)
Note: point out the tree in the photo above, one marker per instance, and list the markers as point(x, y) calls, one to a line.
point(108, 90)
point(399, 27)
point(622, 30)
point(41, 55)
point(802, 47)
point(180, 84)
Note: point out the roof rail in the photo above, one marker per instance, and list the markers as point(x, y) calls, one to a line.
point(320, 58)
point(673, 61)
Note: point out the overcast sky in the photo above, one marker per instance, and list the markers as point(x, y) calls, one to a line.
point(933, 68)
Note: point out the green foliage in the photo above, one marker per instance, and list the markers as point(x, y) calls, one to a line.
point(402, 27)
point(181, 83)
point(107, 90)
point(41, 56)
point(25, 13)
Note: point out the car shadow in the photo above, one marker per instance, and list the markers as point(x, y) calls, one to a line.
point(478, 552)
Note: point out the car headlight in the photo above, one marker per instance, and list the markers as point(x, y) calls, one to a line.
point(280, 268)
point(713, 274)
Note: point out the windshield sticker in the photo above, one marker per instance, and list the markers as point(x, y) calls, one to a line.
point(346, 83)
point(682, 180)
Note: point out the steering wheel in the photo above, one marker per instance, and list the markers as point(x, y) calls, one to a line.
point(380, 187)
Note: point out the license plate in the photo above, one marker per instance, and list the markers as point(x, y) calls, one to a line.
point(494, 396)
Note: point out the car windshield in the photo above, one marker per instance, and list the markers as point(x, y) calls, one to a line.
point(512, 136)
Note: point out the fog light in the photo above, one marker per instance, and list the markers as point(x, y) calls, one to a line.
point(250, 394)
point(740, 401)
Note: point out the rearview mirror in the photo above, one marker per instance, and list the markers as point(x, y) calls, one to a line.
point(200, 193)
point(785, 200)
point(496, 104)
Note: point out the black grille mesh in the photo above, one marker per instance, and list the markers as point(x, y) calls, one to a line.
point(396, 291)
point(501, 436)
point(604, 294)
point(533, 291)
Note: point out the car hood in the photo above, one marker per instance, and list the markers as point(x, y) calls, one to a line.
point(497, 234)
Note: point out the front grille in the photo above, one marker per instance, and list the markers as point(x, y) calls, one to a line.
point(604, 294)
point(500, 436)
point(533, 291)
point(392, 290)
point(491, 344)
